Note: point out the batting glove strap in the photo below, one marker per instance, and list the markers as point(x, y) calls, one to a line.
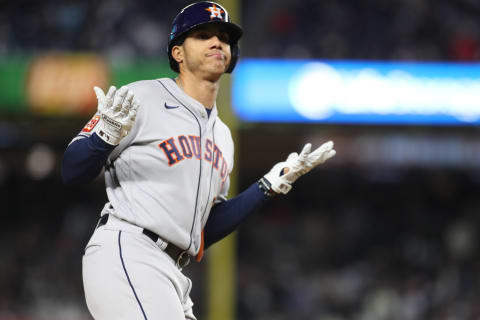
point(275, 181)
point(118, 110)
point(109, 130)
point(266, 187)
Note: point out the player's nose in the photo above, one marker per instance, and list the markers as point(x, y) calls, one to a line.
point(216, 43)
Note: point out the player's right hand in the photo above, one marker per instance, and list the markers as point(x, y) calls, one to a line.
point(117, 110)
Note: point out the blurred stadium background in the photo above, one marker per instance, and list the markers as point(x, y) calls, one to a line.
point(387, 230)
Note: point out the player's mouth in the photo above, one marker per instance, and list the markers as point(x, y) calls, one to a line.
point(216, 55)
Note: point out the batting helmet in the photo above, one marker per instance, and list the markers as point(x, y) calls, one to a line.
point(198, 14)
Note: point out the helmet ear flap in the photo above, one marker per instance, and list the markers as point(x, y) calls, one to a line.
point(174, 64)
point(235, 54)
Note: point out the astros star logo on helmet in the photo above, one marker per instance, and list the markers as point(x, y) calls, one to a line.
point(215, 12)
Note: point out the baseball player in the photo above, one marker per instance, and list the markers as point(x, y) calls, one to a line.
point(167, 158)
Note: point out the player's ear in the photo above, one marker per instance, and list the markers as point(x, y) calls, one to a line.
point(177, 53)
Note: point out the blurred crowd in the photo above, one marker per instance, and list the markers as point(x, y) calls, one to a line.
point(364, 249)
point(369, 29)
point(45, 227)
point(328, 29)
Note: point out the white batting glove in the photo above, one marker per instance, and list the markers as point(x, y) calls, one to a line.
point(284, 174)
point(117, 110)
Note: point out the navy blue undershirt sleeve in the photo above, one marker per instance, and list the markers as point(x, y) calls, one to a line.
point(226, 216)
point(84, 159)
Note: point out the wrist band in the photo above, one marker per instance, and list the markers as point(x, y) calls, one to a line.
point(265, 186)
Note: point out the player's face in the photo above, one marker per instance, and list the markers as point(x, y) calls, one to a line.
point(207, 50)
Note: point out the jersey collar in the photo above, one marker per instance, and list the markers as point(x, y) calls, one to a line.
point(193, 105)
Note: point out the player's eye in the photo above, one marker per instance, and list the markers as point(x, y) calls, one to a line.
point(224, 37)
point(204, 35)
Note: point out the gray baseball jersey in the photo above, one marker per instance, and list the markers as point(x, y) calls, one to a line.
point(168, 172)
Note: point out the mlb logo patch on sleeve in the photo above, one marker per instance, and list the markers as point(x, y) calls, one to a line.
point(91, 124)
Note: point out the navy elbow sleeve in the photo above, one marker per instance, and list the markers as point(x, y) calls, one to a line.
point(227, 216)
point(84, 159)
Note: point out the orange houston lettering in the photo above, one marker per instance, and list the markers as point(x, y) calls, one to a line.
point(171, 151)
point(185, 145)
point(208, 152)
point(217, 154)
point(196, 146)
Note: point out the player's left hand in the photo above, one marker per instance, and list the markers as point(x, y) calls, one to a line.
point(284, 174)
